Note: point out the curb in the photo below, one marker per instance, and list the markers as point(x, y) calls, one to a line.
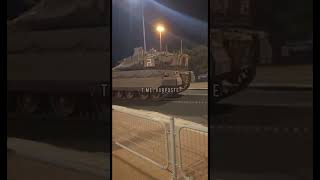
point(302, 87)
point(297, 131)
point(197, 89)
point(37, 151)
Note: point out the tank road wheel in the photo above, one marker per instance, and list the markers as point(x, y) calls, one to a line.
point(28, 104)
point(129, 95)
point(63, 106)
point(144, 96)
point(118, 94)
point(245, 77)
point(155, 96)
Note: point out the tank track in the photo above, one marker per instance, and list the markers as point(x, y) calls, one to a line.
point(240, 75)
point(62, 106)
point(186, 80)
point(129, 95)
point(242, 82)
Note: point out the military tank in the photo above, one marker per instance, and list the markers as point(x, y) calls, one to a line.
point(150, 75)
point(234, 60)
point(235, 46)
point(58, 59)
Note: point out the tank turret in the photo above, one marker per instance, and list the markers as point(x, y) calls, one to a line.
point(153, 59)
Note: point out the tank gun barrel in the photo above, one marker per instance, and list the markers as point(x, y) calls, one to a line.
point(51, 14)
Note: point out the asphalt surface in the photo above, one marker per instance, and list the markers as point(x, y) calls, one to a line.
point(273, 98)
point(255, 134)
point(190, 105)
point(262, 134)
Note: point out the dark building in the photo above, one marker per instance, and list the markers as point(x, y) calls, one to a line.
point(233, 12)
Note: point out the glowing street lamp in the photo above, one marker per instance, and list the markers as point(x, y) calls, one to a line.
point(160, 29)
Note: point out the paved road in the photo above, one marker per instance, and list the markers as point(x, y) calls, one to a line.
point(262, 135)
point(282, 108)
point(257, 134)
point(191, 105)
point(93, 136)
point(274, 98)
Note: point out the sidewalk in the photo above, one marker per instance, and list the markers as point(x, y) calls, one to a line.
point(256, 176)
point(126, 165)
point(145, 132)
point(198, 85)
point(292, 76)
point(271, 76)
point(35, 160)
point(20, 167)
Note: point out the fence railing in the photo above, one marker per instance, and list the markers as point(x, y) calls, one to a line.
point(144, 137)
point(180, 149)
point(193, 152)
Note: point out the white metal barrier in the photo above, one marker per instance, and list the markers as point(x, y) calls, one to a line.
point(193, 152)
point(180, 149)
point(143, 137)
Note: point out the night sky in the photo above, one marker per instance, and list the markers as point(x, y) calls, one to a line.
point(15, 7)
point(183, 19)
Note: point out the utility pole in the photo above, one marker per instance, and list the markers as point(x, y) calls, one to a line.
point(160, 42)
point(181, 46)
point(143, 27)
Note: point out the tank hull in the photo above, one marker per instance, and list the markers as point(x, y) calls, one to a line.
point(234, 56)
point(151, 74)
point(235, 50)
point(59, 65)
point(159, 83)
point(47, 75)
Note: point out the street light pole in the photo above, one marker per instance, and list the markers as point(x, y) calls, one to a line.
point(143, 27)
point(181, 46)
point(160, 42)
